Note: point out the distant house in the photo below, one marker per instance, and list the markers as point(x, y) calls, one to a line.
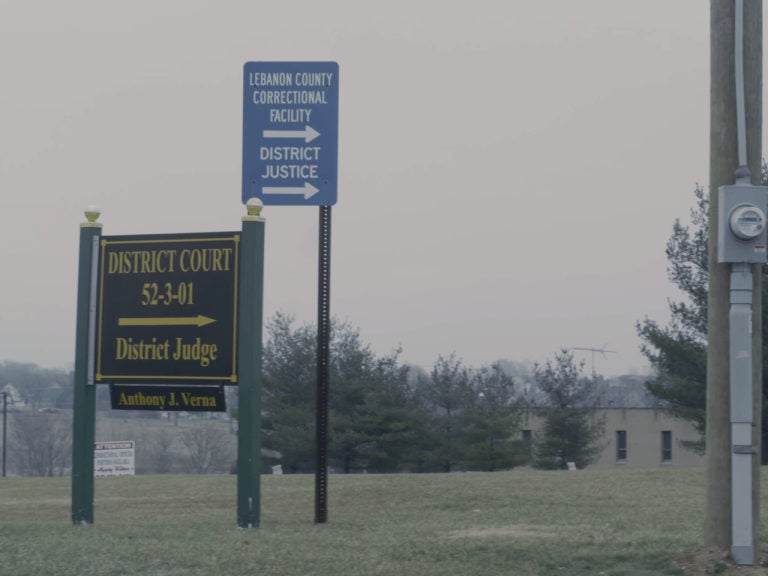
point(646, 438)
point(637, 434)
point(636, 438)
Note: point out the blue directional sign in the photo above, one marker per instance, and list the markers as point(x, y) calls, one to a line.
point(290, 132)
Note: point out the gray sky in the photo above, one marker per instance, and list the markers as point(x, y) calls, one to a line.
point(509, 171)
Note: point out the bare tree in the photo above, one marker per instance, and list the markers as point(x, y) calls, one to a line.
point(208, 449)
point(157, 454)
point(40, 444)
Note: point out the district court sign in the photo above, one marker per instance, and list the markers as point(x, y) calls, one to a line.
point(167, 308)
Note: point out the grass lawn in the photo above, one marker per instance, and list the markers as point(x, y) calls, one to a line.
point(522, 522)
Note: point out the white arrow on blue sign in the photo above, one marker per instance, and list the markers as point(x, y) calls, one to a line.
point(291, 132)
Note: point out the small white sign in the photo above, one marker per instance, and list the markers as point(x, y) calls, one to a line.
point(114, 458)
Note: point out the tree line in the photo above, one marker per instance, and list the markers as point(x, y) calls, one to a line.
point(385, 415)
point(37, 387)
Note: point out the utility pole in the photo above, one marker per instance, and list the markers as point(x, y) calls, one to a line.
point(723, 164)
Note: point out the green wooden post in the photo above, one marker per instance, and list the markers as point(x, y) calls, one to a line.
point(84, 417)
point(250, 320)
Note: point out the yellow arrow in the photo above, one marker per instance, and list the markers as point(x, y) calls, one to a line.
point(198, 321)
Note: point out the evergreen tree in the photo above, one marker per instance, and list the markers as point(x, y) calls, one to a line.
point(370, 422)
point(384, 430)
point(678, 352)
point(370, 405)
point(571, 428)
point(493, 418)
point(445, 395)
point(289, 364)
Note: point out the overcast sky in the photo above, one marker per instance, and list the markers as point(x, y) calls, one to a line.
point(509, 172)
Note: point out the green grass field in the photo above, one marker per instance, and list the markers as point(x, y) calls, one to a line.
point(522, 522)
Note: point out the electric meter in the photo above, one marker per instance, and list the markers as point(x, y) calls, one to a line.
point(747, 222)
point(741, 232)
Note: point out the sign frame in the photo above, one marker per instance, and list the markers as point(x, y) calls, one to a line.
point(152, 294)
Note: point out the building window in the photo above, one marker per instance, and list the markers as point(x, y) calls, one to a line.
point(621, 444)
point(666, 445)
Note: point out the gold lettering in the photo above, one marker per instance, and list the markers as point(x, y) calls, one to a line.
point(184, 261)
point(217, 254)
point(170, 255)
point(205, 260)
point(203, 353)
point(198, 401)
point(139, 399)
point(227, 254)
point(141, 262)
point(127, 349)
point(165, 261)
point(145, 262)
point(113, 262)
point(122, 349)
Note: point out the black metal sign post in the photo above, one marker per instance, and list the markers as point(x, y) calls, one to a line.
point(323, 360)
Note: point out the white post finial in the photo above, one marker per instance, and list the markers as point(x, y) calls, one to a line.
point(92, 214)
point(254, 207)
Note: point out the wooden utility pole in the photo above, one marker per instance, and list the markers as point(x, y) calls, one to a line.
point(722, 165)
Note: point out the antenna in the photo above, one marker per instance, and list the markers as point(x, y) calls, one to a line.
point(602, 351)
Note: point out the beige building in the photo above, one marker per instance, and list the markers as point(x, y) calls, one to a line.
point(637, 438)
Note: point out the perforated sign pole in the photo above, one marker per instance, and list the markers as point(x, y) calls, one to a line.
point(323, 361)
